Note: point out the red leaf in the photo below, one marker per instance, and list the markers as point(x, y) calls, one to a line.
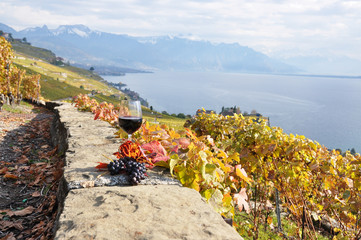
point(156, 150)
point(3, 170)
point(26, 211)
point(99, 114)
point(23, 159)
point(133, 150)
point(10, 236)
point(175, 149)
point(52, 152)
point(36, 194)
point(101, 165)
point(9, 175)
point(184, 142)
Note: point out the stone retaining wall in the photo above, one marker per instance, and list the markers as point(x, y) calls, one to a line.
point(107, 207)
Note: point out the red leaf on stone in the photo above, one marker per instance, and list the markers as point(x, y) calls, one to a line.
point(102, 166)
point(132, 150)
point(156, 151)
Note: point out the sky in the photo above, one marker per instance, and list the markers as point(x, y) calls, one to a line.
point(281, 28)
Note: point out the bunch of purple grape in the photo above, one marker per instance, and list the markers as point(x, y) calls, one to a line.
point(134, 169)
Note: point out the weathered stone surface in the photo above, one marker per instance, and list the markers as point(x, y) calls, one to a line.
point(140, 212)
point(101, 206)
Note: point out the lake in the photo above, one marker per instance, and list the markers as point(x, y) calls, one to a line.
point(324, 109)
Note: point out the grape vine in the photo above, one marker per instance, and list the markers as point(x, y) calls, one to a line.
point(14, 83)
point(235, 161)
point(314, 181)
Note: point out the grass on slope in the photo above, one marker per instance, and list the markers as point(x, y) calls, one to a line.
point(52, 89)
point(32, 51)
point(172, 122)
point(65, 74)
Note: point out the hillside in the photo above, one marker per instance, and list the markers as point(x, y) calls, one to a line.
point(58, 80)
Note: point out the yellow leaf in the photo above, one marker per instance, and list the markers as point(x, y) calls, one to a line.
point(222, 166)
point(349, 182)
point(227, 199)
point(320, 207)
point(269, 220)
point(222, 154)
point(195, 185)
point(208, 194)
point(313, 146)
point(172, 163)
point(234, 156)
point(240, 172)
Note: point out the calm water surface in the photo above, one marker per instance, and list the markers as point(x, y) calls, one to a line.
point(327, 110)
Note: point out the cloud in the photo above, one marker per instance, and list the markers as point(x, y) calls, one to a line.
point(272, 26)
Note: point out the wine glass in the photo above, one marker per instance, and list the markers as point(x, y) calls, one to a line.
point(130, 116)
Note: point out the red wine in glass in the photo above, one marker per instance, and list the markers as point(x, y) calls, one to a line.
point(130, 124)
point(130, 116)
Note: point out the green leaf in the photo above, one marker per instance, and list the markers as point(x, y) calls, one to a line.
point(210, 168)
point(346, 195)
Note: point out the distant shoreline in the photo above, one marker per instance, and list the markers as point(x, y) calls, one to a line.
point(315, 75)
point(260, 73)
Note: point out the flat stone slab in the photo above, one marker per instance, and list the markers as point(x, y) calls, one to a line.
point(140, 212)
point(102, 206)
point(91, 142)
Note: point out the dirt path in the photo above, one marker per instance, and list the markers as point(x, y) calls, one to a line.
point(30, 170)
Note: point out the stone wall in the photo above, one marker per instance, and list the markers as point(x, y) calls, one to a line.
point(95, 206)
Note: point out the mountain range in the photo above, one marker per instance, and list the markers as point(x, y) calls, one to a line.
point(82, 46)
point(118, 53)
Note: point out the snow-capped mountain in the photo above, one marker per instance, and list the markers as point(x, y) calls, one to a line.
point(80, 30)
point(7, 29)
point(78, 43)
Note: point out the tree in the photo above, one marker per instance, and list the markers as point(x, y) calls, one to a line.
point(11, 37)
point(181, 115)
point(353, 151)
point(91, 69)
